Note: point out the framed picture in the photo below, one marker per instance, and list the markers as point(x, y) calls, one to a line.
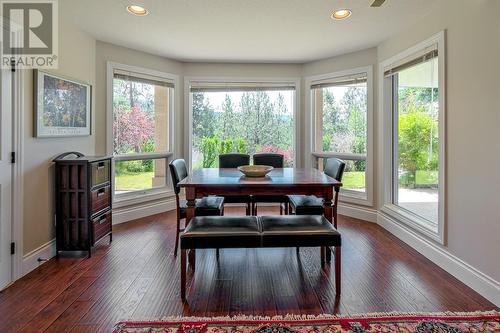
point(62, 106)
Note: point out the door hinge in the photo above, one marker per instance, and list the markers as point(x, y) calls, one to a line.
point(12, 248)
point(13, 157)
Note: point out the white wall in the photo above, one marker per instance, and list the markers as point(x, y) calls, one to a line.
point(473, 125)
point(76, 60)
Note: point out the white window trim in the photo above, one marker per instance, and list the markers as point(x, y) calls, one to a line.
point(188, 110)
point(385, 136)
point(348, 196)
point(138, 197)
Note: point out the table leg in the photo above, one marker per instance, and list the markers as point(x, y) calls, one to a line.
point(190, 213)
point(328, 212)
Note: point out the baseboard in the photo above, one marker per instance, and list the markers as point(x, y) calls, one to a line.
point(358, 212)
point(129, 213)
point(30, 260)
point(472, 277)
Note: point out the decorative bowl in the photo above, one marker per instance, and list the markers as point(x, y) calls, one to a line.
point(255, 170)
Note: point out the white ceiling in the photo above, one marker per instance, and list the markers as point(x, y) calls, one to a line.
point(294, 31)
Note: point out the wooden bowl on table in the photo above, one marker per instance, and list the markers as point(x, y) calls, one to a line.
point(255, 170)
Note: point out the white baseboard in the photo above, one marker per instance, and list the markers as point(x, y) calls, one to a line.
point(129, 213)
point(472, 277)
point(30, 260)
point(358, 212)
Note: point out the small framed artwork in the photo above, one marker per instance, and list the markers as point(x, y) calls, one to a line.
point(62, 106)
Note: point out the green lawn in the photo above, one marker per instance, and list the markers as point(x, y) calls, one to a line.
point(352, 179)
point(126, 181)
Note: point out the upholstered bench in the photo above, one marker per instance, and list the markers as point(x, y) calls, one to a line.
point(205, 232)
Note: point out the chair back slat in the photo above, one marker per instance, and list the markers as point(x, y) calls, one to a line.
point(178, 171)
point(233, 160)
point(271, 159)
point(334, 168)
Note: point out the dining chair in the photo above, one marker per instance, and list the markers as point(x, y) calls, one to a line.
point(312, 205)
point(276, 161)
point(207, 206)
point(234, 160)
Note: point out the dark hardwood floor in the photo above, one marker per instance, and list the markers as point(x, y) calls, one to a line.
point(137, 277)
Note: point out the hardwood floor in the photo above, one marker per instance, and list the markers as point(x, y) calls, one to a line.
point(137, 277)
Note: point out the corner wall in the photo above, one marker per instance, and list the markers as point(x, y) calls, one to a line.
point(76, 60)
point(473, 122)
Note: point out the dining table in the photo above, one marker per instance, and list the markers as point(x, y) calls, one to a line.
point(280, 181)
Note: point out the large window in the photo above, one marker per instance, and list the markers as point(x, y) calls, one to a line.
point(241, 117)
point(413, 94)
point(340, 115)
point(141, 112)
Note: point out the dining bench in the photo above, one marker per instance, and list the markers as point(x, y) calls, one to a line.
point(219, 232)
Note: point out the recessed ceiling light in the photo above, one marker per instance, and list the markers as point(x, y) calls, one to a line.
point(137, 10)
point(341, 14)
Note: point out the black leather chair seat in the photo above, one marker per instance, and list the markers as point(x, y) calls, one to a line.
point(207, 206)
point(221, 232)
point(295, 230)
point(306, 204)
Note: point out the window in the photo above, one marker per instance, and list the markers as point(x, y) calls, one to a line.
point(340, 104)
point(413, 97)
point(244, 117)
point(141, 135)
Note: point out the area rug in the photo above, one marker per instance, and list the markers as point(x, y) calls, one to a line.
point(378, 322)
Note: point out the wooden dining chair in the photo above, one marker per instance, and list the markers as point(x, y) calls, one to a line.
point(207, 206)
point(276, 161)
point(234, 160)
point(312, 205)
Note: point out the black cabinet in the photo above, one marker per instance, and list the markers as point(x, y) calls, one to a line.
point(83, 201)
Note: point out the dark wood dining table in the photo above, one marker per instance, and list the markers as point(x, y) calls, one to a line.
point(280, 181)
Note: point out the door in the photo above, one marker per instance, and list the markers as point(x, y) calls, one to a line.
point(5, 177)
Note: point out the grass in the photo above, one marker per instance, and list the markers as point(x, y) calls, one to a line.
point(352, 180)
point(133, 181)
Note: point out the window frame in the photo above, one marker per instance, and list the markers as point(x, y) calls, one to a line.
point(312, 155)
point(140, 196)
point(386, 136)
point(188, 108)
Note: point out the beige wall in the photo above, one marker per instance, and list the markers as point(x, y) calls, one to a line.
point(473, 54)
point(76, 60)
point(473, 124)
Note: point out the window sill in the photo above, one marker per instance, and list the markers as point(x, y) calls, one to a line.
point(414, 222)
point(353, 197)
point(134, 198)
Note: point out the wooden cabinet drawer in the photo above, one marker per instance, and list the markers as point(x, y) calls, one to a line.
point(101, 226)
point(100, 171)
point(100, 199)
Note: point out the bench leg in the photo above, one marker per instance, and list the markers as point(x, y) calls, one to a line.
point(192, 259)
point(217, 254)
point(183, 275)
point(328, 254)
point(337, 269)
point(322, 251)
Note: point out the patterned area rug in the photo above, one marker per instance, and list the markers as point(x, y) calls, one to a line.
point(381, 322)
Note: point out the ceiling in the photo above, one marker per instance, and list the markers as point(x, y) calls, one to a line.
point(291, 31)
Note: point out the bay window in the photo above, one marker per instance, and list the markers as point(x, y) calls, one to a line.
point(141, 107)
point(414, 107)
point(340, 104)
point(241, 117)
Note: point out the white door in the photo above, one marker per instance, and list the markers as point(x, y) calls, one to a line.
point(5, 177)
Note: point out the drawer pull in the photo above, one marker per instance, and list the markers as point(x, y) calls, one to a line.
point(100, 165)
point(102, 219)
point(101, 192)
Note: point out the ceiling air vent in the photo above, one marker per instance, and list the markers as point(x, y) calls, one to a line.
point(377, 3)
